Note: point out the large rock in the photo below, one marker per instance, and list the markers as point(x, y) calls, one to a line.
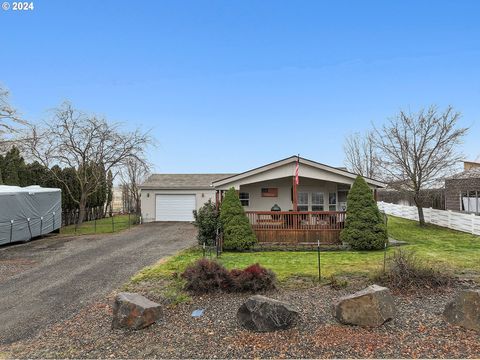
point(260, 313)
point(464, 310)
point(134, 311)
point(369, 307)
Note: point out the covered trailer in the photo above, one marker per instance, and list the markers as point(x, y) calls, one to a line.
point(27, 212)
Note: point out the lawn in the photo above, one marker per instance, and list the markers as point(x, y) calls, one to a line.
point(445, 248)
point(101, 226)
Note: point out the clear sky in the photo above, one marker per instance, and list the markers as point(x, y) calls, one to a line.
point(226, 86)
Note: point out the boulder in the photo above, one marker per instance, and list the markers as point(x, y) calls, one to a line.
point(134, 311)
point(464, 310)
point(369, 307)
point(260, 313)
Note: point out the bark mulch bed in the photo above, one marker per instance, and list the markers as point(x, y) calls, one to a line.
point(419, 330)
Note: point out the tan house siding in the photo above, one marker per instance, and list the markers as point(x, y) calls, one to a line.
point(468, 165)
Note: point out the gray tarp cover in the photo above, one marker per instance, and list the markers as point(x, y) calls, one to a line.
point(26, 212)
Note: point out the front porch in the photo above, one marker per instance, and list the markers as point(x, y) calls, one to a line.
point(314, 211)
point(297, 227)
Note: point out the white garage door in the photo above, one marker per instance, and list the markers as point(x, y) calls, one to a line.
point(174, 207)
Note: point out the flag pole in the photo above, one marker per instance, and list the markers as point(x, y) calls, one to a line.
point(295, 176)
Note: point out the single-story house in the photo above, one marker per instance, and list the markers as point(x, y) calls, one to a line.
point(266, 194)
point(462, 190)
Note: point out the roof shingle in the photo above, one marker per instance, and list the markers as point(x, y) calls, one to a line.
point(182, 181)
point(467, 174)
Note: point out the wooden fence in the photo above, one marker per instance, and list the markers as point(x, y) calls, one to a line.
point(453, 220)
point(297, 227)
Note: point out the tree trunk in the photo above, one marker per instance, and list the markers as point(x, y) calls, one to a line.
point(82, 205)
point(418, 203)
point(421, 217)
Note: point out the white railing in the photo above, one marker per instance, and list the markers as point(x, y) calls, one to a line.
point(453, 220)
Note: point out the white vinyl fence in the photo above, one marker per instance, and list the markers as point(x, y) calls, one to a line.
point(453, 220)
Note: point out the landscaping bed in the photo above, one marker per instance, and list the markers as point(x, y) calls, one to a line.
point(418, 330)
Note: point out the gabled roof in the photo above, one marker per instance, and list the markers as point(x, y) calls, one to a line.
point(182, 181)
point(293, 159)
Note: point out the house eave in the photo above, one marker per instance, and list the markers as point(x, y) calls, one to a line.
point(231, 179)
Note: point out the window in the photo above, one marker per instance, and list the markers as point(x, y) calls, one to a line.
point(269, 192)
point(302, 201)
point(332, 201)
point(244, 198)
point(470, 201)
point(342, 199)
point(317, 201)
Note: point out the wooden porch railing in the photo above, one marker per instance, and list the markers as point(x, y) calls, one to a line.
point(297, 227)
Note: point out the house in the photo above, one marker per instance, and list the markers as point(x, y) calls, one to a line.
point(266, 194)
point(462, 190)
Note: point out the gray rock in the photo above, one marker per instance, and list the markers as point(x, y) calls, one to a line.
point(369, 307)
point(134, 311)
point(464, 310)
point(260, 313)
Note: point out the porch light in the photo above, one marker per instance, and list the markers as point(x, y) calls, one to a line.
point(275, 208)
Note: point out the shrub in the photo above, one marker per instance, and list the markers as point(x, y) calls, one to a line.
point(253, 279)
point(207, 221)
point(206, 276)
point(405, 270)
point(237, 231)
point(365, 228)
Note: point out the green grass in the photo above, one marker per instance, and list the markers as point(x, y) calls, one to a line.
point(102, 226)
point(445, 248)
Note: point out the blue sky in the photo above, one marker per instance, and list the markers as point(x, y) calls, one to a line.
point(226, 86)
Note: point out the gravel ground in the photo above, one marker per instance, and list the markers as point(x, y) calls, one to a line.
point(48, 280)
point(418, 331)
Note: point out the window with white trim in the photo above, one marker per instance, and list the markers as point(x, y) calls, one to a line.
point(244, 198)
point(332, 201)
point(317, 201)
point(302, 204)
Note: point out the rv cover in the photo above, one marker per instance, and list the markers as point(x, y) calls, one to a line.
point(27, 212)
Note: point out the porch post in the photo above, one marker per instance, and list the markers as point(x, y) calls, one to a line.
point(294, 190)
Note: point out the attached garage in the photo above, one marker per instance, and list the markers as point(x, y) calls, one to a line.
point(174, 197)
point(174, 207)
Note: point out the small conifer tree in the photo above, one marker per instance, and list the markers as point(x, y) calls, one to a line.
point(365, 228)
point(237, 232)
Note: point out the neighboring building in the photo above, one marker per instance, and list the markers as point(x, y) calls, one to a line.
point(117, 199)
point(462, 190)
point(434, 198)
point(322, 188)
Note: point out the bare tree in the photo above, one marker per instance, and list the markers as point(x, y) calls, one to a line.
point(418, 150)
point(134, 171)
point(10, 121)
point(361, 155)
point(76, 140)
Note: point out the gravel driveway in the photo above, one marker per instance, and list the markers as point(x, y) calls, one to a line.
point(51, 279)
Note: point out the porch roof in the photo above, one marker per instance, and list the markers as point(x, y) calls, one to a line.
point(286, 167)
